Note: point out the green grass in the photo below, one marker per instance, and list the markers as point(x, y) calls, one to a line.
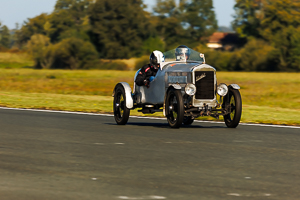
point(79, 82)
point(48, 101)
point(15, 60)
point(271, 98)
point(270, 115)
point(266, 89)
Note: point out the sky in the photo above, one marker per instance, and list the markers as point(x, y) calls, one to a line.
point(18, 11)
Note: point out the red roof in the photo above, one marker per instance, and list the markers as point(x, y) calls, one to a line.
point(217, 37)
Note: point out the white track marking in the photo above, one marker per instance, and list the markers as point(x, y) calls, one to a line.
point(141, 117)
point(144, 197)
point(117, 143)
point(234, 194)
point(249, 195)
point(99, 143)
point(240, 141)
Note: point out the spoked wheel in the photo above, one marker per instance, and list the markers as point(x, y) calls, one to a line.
point(174, 108)
point(233, 98)
point(188, 120)
point(121, 112)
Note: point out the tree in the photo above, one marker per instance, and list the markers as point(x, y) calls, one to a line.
point(295, 52)
point(200, 19)
point(38, 48)
point(280, 26)
point(69, 19)
point(275, 21)
point(170, 30)
point(31, 27)
point(248, 15)
point(168, 8)
point(257, 56)
point(71, 53)
point(74, 53)
point(58, 23)
point(118, 28)
point(4, 36)
point(78, 9)
point(167, 20)
point(185, 23)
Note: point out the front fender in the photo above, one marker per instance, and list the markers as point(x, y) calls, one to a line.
point(235, 86)
point(176, 86)
point(173, 86)
point(128, 96)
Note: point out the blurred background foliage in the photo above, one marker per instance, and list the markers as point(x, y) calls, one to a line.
point(92, 34)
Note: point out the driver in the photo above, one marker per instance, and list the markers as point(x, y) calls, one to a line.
point(182, 53)
point(148, 72)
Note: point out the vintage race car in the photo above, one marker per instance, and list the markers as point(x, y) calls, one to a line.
point(184, 88)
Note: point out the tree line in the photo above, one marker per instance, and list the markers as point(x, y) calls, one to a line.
point(4, 37)
point(272, 28)
point(79, 32)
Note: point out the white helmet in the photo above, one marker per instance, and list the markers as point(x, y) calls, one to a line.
point(156, 57)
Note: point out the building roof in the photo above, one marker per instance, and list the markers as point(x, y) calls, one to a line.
point(220, 37)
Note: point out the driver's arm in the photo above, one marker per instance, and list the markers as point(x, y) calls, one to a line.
point(141, 77)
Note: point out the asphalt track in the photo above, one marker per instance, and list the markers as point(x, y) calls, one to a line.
point(49, 155)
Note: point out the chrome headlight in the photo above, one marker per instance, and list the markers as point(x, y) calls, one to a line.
point(222, 89)
point(190, 89)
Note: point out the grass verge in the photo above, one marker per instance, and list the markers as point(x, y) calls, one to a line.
point(15, 60)
point(103, 104)
point(271, 98)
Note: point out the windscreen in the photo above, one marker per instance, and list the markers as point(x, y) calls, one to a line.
point(183, 56)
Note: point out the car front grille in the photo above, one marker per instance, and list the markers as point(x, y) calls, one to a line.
point(204, 81)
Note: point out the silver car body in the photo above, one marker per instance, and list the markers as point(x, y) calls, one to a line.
point(184, 88)
point(177, 74)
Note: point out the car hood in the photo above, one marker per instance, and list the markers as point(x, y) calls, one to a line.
point(184, 67)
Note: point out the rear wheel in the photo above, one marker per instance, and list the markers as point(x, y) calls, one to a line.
point(233, 98)
point(121, 112)
point(174, 108)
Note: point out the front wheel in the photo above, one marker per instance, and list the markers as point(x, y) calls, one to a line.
point(234, 101)
point(121, 112)
point(174, 108)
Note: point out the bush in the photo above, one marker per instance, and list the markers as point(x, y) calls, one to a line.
point(15, 50)
point(74, 53)
point(110, 65)
point(71, 53)
point(257, 55)
point(3, 49)
point(221, 60)
point(141, 62)
point(37, 48)
point(153, 43)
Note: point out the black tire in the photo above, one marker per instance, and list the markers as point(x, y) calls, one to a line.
point(188, 120)
point(233, 98)
point(174, 108)
point(121, 112)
